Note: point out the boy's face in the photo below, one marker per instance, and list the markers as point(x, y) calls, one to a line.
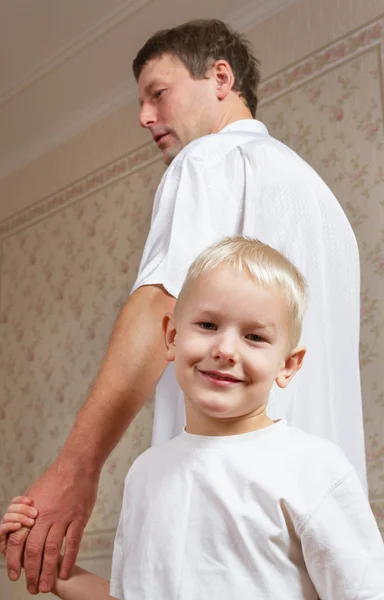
point(230, 341)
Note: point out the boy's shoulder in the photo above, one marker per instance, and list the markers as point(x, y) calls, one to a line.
point(312, 446)
point(156, 456)
point(314, 458)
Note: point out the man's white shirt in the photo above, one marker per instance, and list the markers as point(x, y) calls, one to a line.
point(242, 181)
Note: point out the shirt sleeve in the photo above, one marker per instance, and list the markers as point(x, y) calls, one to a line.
point(194, 207)
point(116, 583)
point(342, 546)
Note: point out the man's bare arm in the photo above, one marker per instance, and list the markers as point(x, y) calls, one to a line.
point(66, 493)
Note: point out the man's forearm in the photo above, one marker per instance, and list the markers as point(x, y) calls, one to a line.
point(131, 368)
point(82, 585)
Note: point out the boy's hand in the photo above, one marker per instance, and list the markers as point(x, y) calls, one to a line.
point(20, 513)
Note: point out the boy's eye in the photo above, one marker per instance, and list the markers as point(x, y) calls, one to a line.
point(208, 326)
point(253, 337)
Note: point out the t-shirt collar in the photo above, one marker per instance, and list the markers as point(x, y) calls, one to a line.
point(205, 442)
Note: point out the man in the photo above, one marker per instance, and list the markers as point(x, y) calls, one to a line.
point(226, 176)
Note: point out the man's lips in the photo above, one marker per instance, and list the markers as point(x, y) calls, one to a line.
point(160, 136)
point(220, 378)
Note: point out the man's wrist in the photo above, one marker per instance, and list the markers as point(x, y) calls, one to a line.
point(76, 464)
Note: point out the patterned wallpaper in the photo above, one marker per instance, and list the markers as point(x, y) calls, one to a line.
point(67, 267)
point(68, 262)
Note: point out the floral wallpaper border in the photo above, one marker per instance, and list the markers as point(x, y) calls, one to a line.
point(345, 48)
point(100, 543)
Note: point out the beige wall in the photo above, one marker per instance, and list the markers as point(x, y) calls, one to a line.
point(69, 260)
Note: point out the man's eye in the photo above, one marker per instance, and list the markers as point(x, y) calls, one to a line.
point(253, 337)
point(208, 326)
point(158, 94)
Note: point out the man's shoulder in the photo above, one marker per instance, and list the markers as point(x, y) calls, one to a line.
point(259, 151)
point(215, 147)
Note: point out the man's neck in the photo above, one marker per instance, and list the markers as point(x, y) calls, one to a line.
point(235, 112)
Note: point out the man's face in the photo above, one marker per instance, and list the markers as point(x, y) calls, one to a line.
point(232, 341)
point(176, 108)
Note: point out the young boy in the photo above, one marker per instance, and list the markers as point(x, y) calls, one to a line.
point(238, 506)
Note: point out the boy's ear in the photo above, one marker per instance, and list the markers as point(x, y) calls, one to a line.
point(292, 364)
point(169, 328)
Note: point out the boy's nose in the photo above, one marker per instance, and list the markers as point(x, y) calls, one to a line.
point(226, 350)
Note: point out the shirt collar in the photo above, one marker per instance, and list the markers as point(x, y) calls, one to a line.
point(250, 125)
point(206, 442)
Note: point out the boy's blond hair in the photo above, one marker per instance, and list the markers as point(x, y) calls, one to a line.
point(259, 261)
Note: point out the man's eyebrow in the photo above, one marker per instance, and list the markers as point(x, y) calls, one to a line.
point(149, 88)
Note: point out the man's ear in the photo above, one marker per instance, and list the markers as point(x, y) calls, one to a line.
point(169, 328)
point(292, 364)
point(224, 78)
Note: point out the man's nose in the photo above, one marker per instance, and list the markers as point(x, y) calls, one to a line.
point(226, 349)
point(147, 116)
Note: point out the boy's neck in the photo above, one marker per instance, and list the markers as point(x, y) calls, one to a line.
point(201, 424)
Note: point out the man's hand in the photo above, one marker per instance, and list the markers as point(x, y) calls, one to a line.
point(64, 501)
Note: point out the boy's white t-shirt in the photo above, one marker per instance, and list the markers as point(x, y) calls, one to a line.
point(272, 514)
point(242, 181)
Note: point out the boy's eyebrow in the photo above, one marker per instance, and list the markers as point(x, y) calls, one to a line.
point(267, 326)
point(261, 325)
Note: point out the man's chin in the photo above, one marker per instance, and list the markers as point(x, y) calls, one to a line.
point(167, 159)
point(169, 154)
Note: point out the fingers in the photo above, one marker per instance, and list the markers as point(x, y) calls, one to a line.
point(33, 555)
point(16, 543)
point(72, 544)
point(5, 529)
point(22, 500)
point(20, 513)
point(18, 518)
point(51, 556)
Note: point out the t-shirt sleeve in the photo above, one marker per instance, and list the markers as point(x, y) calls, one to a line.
point(342, 546)
point(116, 583)
point(194, 207)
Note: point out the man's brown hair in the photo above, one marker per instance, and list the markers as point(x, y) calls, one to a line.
point(199, 44)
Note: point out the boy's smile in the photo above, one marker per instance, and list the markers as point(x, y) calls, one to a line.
point(230, 341)
point(220, 378)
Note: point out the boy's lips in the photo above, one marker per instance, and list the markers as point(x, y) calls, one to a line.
point(220, 378)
